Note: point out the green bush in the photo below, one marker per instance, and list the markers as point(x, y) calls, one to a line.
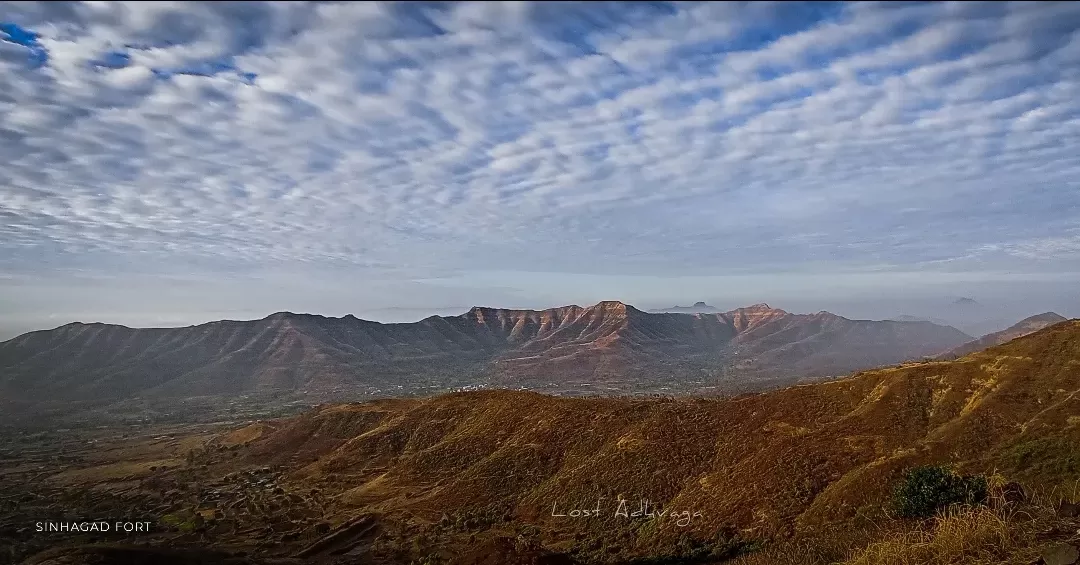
point(925, 490)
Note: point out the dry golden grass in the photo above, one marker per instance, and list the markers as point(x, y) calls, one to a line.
point(244, 435)
point(995, 534)
point(814, 463)
point(999, 533)
point(821, 550)
point(974, 536)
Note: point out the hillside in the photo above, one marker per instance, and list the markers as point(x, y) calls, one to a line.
point(1023, 327)
point(320, 357)
point(797, 475)
point(767, 466)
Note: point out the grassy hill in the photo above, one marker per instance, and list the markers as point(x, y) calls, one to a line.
point(790, 464)
point(802, 475)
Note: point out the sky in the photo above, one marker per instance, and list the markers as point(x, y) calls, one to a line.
point(172, 163)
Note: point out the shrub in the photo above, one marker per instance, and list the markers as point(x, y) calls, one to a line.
point(925, 490)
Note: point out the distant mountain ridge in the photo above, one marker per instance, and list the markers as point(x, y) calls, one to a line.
point(909, 318)
point(309, 355)
point(1022, 328)
point(965, 314)
point(697, 308)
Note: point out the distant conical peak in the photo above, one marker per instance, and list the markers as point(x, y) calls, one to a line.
point(700, 304)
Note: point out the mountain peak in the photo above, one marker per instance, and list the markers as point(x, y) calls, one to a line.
point(480, 313)
point(286, 316)
point(1020, 329)
point(1052, 317)
point(283, 315)
point(760, 307)
point(614, 307)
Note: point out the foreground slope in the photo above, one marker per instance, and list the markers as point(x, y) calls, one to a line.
point(311, 355)
point(765, 466)
point(496, 476)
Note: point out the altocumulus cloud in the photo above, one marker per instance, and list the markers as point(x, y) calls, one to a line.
point(409, 141)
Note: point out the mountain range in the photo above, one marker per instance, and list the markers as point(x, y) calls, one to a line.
point(308, 355)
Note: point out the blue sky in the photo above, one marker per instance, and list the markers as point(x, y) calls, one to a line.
point(177, 162)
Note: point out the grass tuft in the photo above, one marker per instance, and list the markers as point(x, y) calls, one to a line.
point(968, 535)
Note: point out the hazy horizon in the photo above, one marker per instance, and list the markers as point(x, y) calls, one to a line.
point(172, 164)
